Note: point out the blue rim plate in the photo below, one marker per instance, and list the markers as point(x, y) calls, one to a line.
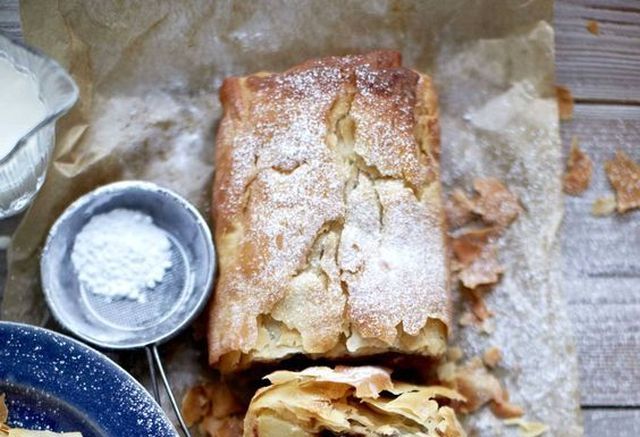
point(57, 383)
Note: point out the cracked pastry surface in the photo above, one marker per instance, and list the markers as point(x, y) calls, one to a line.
point(328, 214)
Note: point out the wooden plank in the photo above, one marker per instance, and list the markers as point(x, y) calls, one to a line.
point(614, 423)
point(10, 18)
point(602, 263)
point(604, 68)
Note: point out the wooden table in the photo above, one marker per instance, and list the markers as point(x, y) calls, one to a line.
point(601, 256)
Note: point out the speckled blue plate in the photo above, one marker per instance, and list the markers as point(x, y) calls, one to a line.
point(54, 382)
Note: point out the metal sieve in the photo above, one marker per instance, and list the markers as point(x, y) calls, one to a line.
point(169, 307)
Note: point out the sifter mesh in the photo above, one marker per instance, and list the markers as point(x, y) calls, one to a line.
point(161, 301)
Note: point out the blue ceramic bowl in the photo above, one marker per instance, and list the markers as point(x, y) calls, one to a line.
point(54, 382)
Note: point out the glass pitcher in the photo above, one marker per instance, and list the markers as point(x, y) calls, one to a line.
point(23, 168)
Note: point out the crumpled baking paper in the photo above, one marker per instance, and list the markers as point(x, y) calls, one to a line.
point(148, 73)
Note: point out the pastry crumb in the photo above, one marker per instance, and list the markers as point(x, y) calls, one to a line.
point(528, 429)
point(604, 206)
point(477, 257)
point(565, 102)
point(4, 412)
point(454, 353)
point(479, 387)
point(624, 176)
point(487, 326)
point(214, 408)
point(467, 318)
point(458, 209)
point(495, 203)
point(505, 409)
point(484, 270)
point(478, 304)
point(492, 357)
point(226, 427)
point(579, 170)
point(593, 27)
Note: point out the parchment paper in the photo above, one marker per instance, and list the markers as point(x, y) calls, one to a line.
point(149, 71)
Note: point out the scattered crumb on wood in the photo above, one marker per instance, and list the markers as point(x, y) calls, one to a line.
point(624, 176)
point(528, 429)
point(565, 102)
point(577, 176)
point(604, 206)
point(593, 27)
point(492, 357)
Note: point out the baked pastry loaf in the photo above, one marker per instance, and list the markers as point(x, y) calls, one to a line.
point(328, 215)
point(358, 401)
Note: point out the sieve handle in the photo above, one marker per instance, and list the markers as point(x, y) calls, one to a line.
point(152, 374)
point(154, 357)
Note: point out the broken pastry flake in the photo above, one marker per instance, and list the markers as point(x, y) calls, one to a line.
point(604, 206)
point(565, 102)
point(305, 403)
point(4, 412)
point(479, 387)
point(505, 409)
point(368, 381)
point(486, 326)
point(528, 429)
point(225, 427)
point(214, 408)
point(624, 176)
point(478, 304)
point(468, 319)
point(593, 27)
point(484, 269)
point(579, 169)
point(458, 209)
point(495, 203)
point(492, 357)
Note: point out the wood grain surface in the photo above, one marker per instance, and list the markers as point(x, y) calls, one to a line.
point(604, 67)
point(601, 255)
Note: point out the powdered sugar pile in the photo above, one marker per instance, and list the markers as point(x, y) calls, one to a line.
point(120, 254)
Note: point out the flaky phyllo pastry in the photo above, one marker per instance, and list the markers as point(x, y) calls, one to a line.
point(360, 401)
point(328, 214)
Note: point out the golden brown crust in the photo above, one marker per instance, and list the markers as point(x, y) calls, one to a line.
point(328, 216)
point(358, 401)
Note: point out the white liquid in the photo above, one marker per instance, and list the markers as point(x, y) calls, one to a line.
point(20, 106)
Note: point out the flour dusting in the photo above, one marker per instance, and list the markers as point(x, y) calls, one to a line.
point(120, 254)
